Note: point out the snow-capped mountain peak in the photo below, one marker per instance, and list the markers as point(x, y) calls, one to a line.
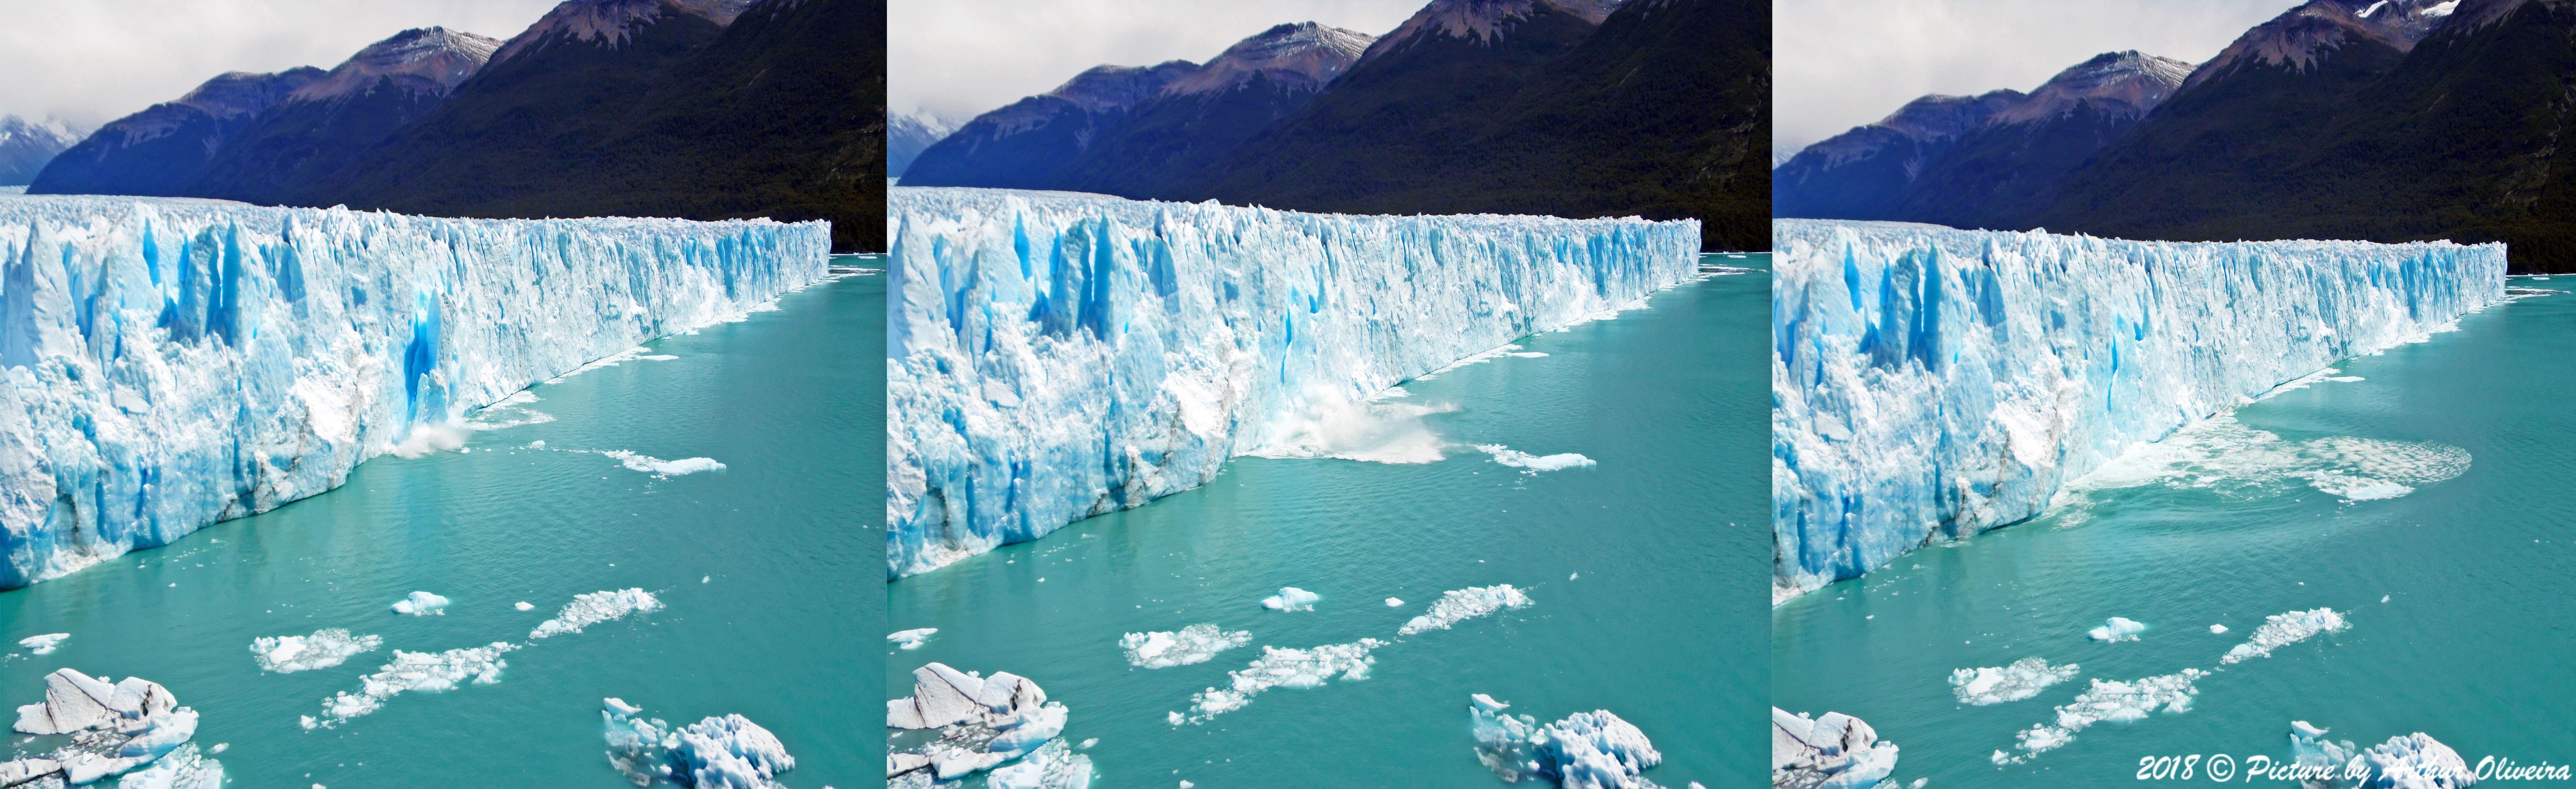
point(434, 59)
point(2129, 82)
point(610, 21)
point(1305, 55)
point(20, 131)
point(2301, 36)
point(1482, 20)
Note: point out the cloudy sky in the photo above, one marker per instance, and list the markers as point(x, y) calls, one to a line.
point(92, 61)
point(1843, 63)
point(960, 58)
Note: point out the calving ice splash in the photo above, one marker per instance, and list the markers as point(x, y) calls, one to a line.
point(172, 363)
point(1052, 357)
point(1931, 383)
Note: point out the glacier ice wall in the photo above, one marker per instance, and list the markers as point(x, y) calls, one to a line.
point(165, 364)
point(1052, 356)
point(1933, 383)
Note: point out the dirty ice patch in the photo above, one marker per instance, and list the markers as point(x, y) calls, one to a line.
point(1998, 684)
point(1193, 644)
point(323, 649)
point(593, 608)
point(2223, 455)
point(1459, 605)
point(421, 604)
point(911, 639)
point(1282, 668)
point(44, 644)
point(1291, 598)
point(428, 672)
point(2107, 700)
point(663, 468)
point(2280, 630)
point(1532, 464)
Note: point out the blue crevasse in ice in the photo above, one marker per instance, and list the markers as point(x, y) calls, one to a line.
point(165, 364)
point(1930, 383)
point(1053, 356)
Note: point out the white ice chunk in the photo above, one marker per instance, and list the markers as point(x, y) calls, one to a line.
point(1534, 463)
point(429, 672)
point(1193, 644)
point(593, 608)
point(1593, 750)
point(323, 649)
point(2108, 700)
point(2116, 629)
point(1291, 598)
point(1995, 685)
point(524, 605)
point(2217, 629)
point(1283, 668)
point(911, 639)
point(667, 468)
point(2280, 630)
point(1459, 605)
point(1394, 603)
point(421, 604)
point(44, 644)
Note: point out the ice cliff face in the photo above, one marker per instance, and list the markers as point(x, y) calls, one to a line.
point(1934, 383)
point(172, 363)
point(1054, 356)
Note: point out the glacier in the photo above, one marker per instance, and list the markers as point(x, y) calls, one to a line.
point(170, 363)
point(1053, 356)
point(1931, 383)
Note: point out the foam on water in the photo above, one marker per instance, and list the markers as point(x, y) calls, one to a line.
point(1193, 644)
point(323, 649)
point(593, 608)
point(1282, 668)
point(1998, 684)
point(1459, 605)
point(2221, 454)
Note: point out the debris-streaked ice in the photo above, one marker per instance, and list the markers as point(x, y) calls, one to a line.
point(1998, 684)
point(1831, 751)
point(2280, 630)
point(1193, 644)
point(1459, 605)
point(173, 363)
point(1931, 383)
point(114, 730)
point(323, 649)
point(1291, 598)
point(596, 607)
point(1590, 750)
point(1052, 356)
point(983, 722)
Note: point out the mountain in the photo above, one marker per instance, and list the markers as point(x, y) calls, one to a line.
point(324, 125)
point(704, 109)
point(25, 147)
point(907, 135)
point(161, 150)
point(1990, 160)
point(1655, 108)
point(1196, 122)
point(1034, 143)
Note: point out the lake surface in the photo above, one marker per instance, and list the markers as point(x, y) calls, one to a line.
point(766, 571)
point(2456, 592)
point(1647, 573)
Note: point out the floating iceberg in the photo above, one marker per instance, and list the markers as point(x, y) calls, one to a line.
point(421, 604)
point(1995, 685)
point(172, 363)
point(1834, 751)
point(43, 644)
point(983, 722)
point(1459, 605)
point(2280, 630)
point(1931, 383)
point(422, 671)
point(2107, 700)
point(666, 468)
point(115, 729)
point(325, 648)
point(1534, 463)
point(729, 752)
point(2117, 629)
point(2412, 761)
point(1051, 357)
point(1193, 644)
point(593, 608)
point(911, 639)
point(1282, 668)
point(1586, 750)
point(1291, 598)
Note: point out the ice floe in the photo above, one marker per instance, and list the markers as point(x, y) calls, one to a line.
point(524, 605)
point(911, 639)
point(43, 644)
point(593, 608)
point(422, 671)
point(1586, 750)
point(115, 729)
point(1193, 644)
point(2280, 630)
point(1995, 685)
point(2116, 629)
point(664, 468)
point(1459, 605)
point(1291, 598)
point(1394, 603)
point(2411, 761)
point(2217, 630)
point(2107, 700)
point(728, 752)
point(421, 604)
point(1282, 668)
point(1832, 751)
point(983, 722)
point(323, 649)
point(1533, 464)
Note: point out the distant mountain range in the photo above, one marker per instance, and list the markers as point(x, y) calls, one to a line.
point(907, 135)
point(26, 146)
point(1565, 107)
point(703, 109)
point(2385, 121)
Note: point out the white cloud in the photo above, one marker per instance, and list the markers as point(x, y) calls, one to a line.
point(964, 57)
point(92, 61)
point(1843, 63)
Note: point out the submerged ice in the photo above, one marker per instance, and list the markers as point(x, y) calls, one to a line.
point(1586, 750)
point(172, 363)
point(1931, 383)
point(1052, 357)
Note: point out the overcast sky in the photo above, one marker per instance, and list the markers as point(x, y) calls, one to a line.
point(960, 58)
point(92, 61)
point(1843, 63)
